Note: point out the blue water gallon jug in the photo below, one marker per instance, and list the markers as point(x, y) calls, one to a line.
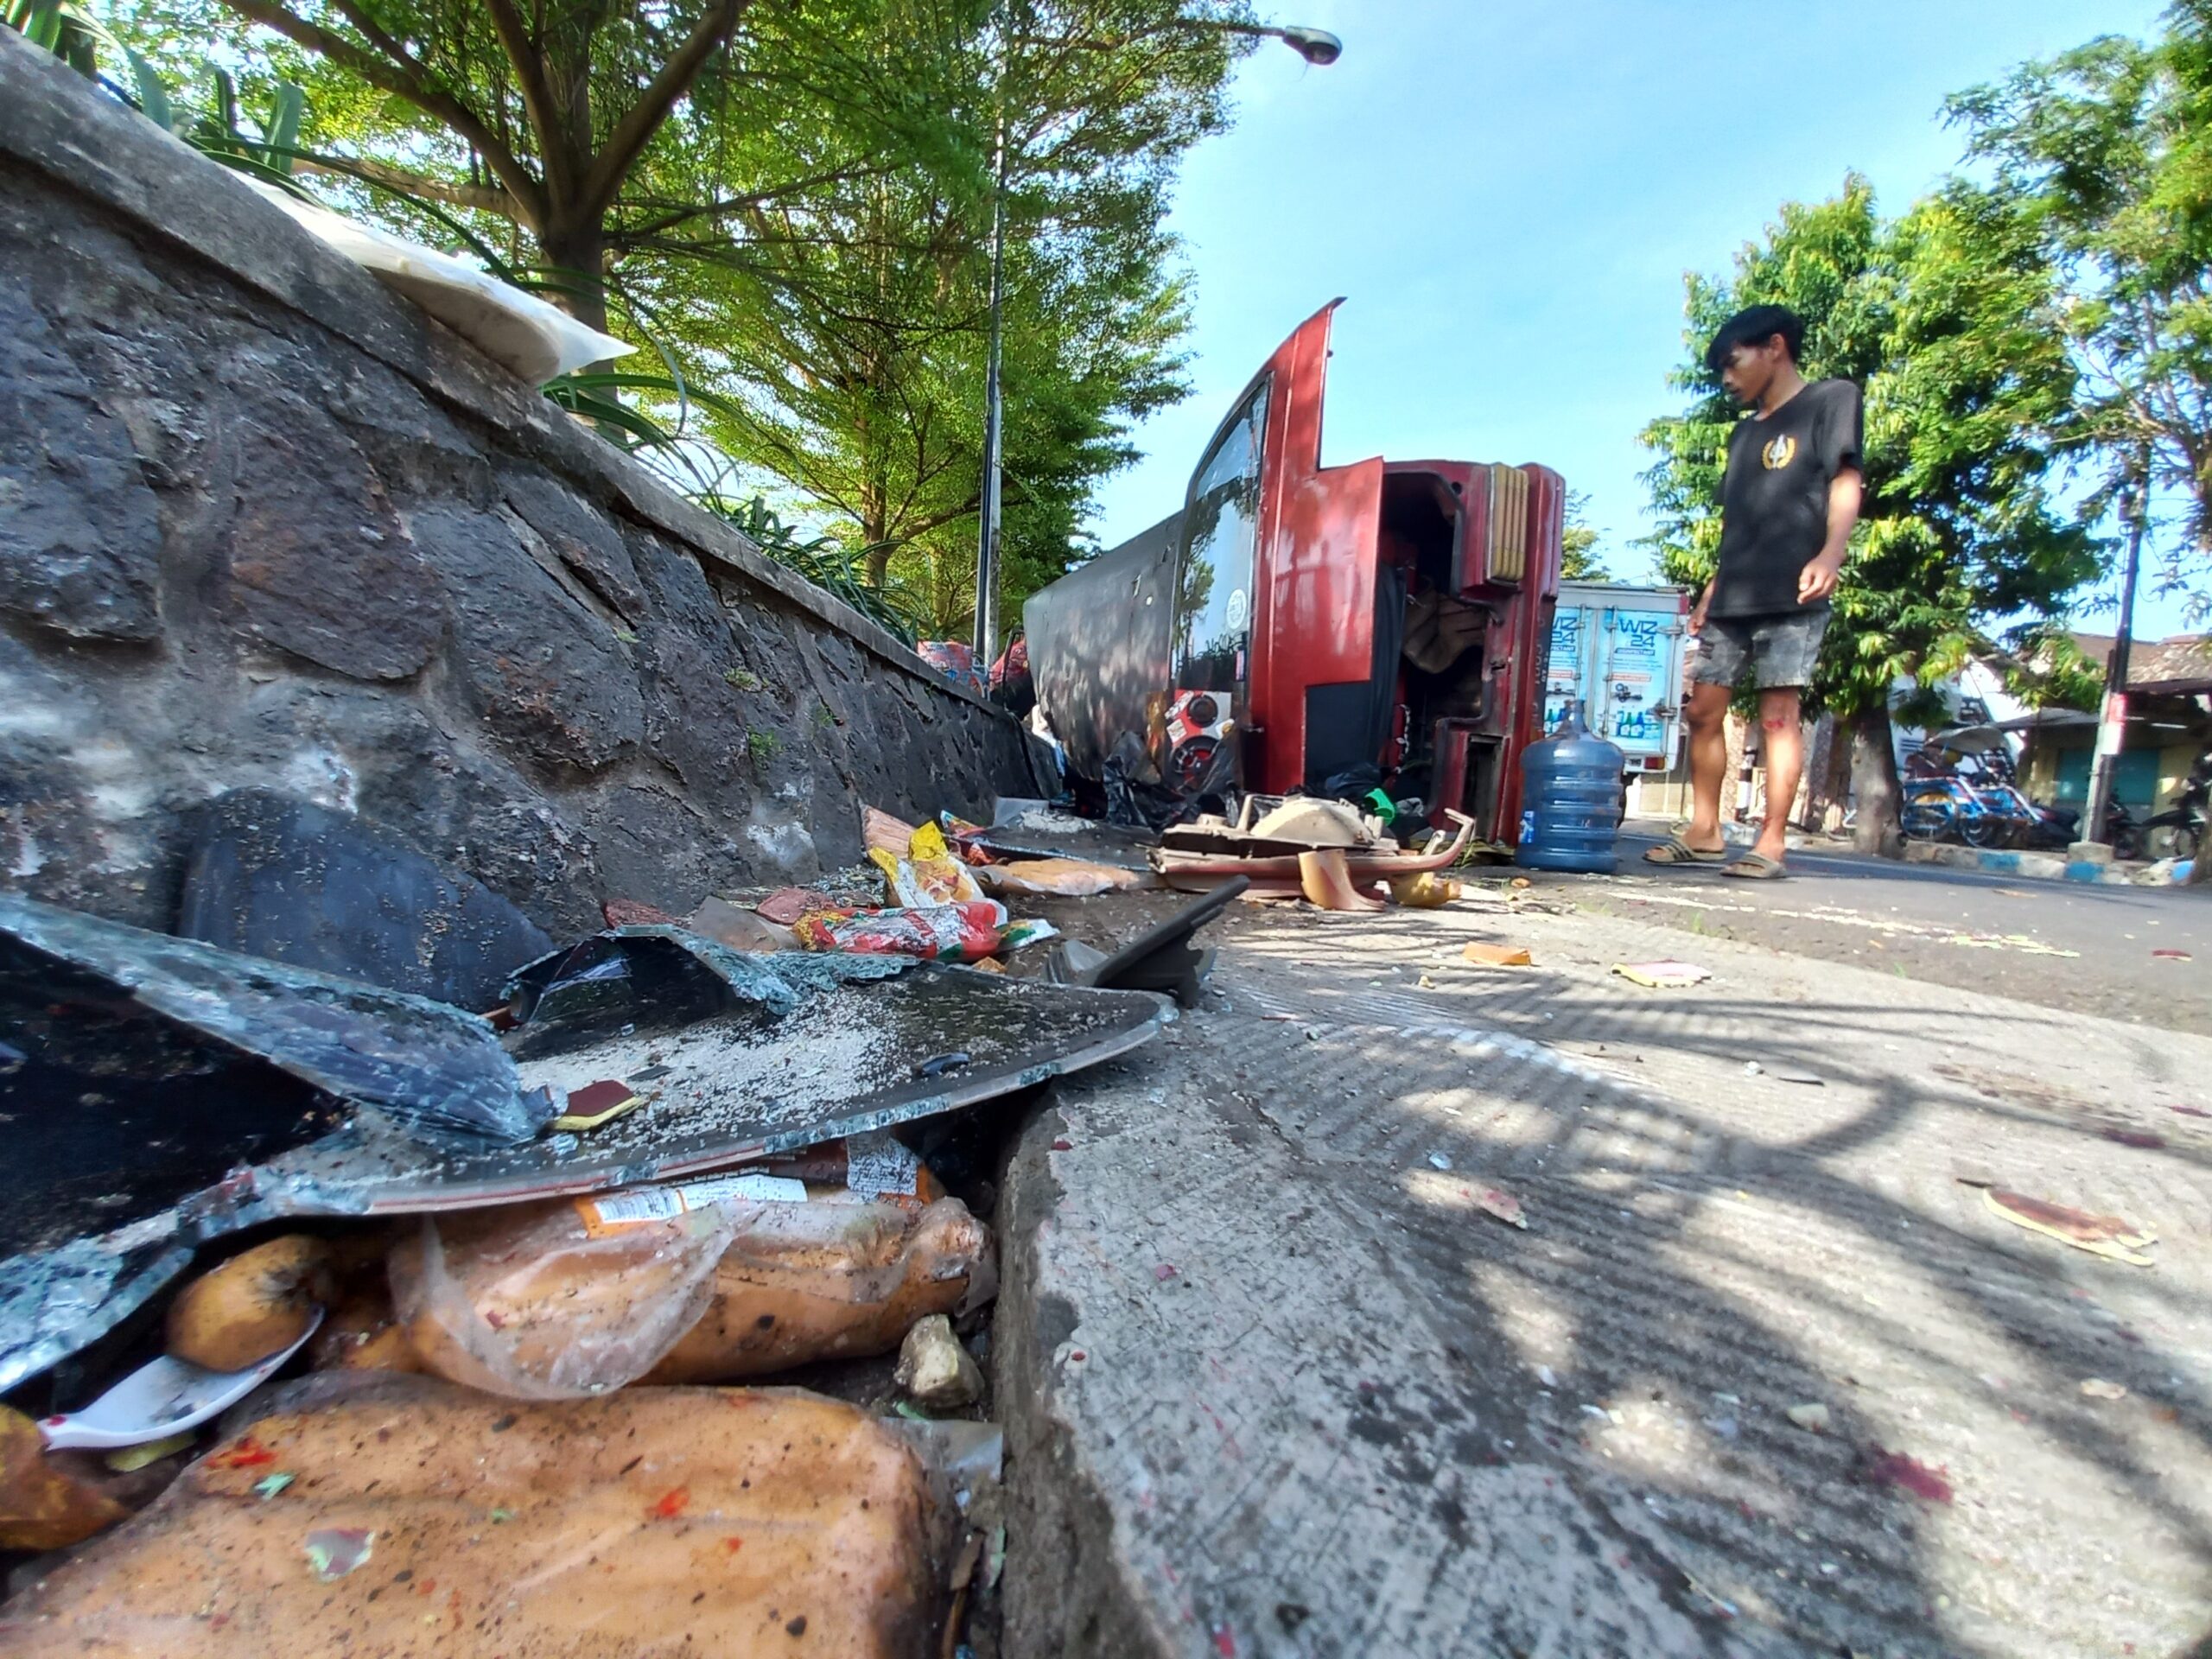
point(1571, 799)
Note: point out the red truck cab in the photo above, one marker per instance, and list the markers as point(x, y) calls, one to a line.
point(1295, 626)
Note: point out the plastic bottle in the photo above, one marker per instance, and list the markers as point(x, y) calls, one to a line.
point(1571, 800)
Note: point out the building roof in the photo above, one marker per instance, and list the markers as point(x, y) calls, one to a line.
point(2179, 663)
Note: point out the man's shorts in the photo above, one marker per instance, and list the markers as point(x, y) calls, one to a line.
point(1780, 647)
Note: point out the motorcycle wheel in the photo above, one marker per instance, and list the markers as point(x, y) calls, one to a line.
point(2170, 840)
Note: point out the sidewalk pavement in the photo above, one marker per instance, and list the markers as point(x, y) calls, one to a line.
point(1275, 1384)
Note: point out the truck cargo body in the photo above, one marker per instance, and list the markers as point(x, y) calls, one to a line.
point(1294, 624)
point(1623, 652)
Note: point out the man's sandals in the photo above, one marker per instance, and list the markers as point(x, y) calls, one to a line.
point(1755, 866)
point(1678, 851)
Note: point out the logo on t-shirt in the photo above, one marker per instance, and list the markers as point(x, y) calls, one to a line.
point(1779, 453)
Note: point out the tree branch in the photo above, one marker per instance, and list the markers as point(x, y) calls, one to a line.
point(399, 73)
point(642, 119)
point(483, 198)
point(538, 101)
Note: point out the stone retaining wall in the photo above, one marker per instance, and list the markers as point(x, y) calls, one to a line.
point(263, 523)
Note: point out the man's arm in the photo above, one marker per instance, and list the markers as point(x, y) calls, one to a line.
point(1697, 611)
point(1817, 580)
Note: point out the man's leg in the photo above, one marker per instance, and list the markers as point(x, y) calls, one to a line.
point(1782, 741)
point(1708, 713)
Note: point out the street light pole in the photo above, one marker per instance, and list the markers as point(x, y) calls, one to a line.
point(2111, 728)
point(987, 540)
point(1316, 46)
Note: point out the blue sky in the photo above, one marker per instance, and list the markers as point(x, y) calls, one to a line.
point(1508, 194)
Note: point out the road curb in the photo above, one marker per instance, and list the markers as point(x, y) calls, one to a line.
point(2033, 866)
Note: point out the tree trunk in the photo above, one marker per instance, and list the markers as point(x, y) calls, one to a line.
point(1874, 784)
point(580, 256)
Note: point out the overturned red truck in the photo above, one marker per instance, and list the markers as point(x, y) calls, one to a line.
point(1297, 626)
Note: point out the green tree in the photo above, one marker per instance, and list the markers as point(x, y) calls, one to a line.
point(1578, 560)
point(1947, 319)
point(2108, 149)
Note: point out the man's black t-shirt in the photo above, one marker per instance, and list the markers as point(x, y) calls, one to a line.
point(1774, 498)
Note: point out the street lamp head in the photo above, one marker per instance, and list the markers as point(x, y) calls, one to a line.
point(1316, 46)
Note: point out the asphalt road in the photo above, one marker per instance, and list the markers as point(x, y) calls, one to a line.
point(2059, 943)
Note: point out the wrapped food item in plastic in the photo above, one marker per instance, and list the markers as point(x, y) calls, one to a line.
point(1071, 878)
point(961, 933)
point(423, 1520)
point(728, 1276)
point(927, 873)
point(532, 1303)
point(835, 1279)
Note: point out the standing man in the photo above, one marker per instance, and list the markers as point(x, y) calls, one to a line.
point(1788, 501)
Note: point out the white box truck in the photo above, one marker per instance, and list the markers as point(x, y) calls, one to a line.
point(1624, 652)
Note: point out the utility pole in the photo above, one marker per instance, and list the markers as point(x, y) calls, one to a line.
point(2111, 728)
point(1316, 46)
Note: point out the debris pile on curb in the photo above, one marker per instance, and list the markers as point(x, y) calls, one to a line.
point(518, 1249)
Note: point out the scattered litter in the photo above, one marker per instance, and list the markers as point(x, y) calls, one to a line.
point(1546, 1376)
point(1662, 976)
point(1325, 880)
point(333, 1552)
point(1796, 1074)
point(564, 1300)
point(965, 931)
point(2097, 1388)
point(1163, 1272)
point(2192, 1111)
point(1909, 1474)
point(1813, 1417)
point(1497, 956)
point(596, 1104)
point(1438, 1160)
point(126, 1460)
point(2168, 954)
point(1753, 1067)
point(1727, 1428)
point(740, 930)
point(1502, 1205)
point(44, 1505)
point(258, 1303)
point(1426, 891)
point(161, 1398)
point(1424, 983)
point(631, 913)
point(1068, 878)
point(2142, 1139)
point(270, 1485)
point(935, 1369)
point(2112, 1236)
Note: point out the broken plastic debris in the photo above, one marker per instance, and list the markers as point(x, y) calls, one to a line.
point(1492, 1201)
point(333, 1552)
point(2166, 954)
point(1662, 976)
point(1813, 1417)
point(2097, 1388)
point(1325, 878)
point(1909, 1474)
point(1438, 1160)
point(270, 1485)
point(1497, 956)
point(2112, 1236)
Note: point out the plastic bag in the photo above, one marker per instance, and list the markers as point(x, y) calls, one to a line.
point(728, 1276)
point(958, 933)
point(536, 340)
point(1071, 878)
point(531, 1303)
point(928, 874)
